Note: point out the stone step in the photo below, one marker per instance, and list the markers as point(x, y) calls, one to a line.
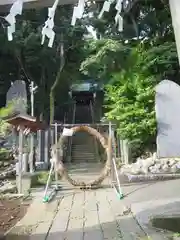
point(83, 156)
point(82, 152)
point(85, 145)
point(83, 149)
point(80, 139)
point(85, 142)
point(79, 146)
point(83, 159)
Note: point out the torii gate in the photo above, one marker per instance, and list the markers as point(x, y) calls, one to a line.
point(174, 8)
point(5, 4)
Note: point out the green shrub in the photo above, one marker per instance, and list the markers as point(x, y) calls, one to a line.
point(40, 178)
point(5, 154)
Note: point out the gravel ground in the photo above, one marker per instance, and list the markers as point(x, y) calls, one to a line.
point(11, 211)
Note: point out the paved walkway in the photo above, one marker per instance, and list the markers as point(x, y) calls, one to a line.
point(79, 215)
point(148, 200)
point(99, 214)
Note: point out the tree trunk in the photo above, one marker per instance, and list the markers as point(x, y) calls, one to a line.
point(53, 88)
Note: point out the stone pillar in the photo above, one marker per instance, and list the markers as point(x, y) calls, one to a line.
point(25, 163)
point(40, 163)
point(40, 146)
point(175, 15)
point(125, 151)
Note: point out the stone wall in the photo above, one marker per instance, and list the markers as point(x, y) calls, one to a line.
point(152, 165)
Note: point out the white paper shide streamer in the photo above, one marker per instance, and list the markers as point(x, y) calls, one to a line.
point(78, 12)
point(92, 31)
point(47, 30)
point(15, 10)
point(118, 18)
point(119, 21)
point(105, 8)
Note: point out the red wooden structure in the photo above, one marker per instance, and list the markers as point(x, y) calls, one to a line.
point(26, 121)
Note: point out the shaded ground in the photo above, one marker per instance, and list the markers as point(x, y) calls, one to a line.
point(98, 214)
point(78, 215)
point(11, 211)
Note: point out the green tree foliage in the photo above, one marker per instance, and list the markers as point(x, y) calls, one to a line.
point(103, 58)
point(130, 98)
point(4, 126)
point(131, 72)
point(25, 57)
point(129, 68)
point(131, 64)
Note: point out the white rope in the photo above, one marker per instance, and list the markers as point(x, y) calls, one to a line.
point(118, 18)
point(15, 10)
point(47, 30)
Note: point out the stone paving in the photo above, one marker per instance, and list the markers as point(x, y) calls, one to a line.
point(80, 215)
point(97, 214)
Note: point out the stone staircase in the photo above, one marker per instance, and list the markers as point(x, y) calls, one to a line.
point(83, 148)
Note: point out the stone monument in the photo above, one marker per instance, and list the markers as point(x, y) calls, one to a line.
point(167, 106)
point(17, 95)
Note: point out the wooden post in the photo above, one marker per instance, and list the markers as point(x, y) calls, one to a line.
point(31, 154)
point(46, 147)
point(175, 15)
point(124, 151)
point(56, 159)
point(119, 146)
point(20, 160)
point(110, 155)
point(56, 133)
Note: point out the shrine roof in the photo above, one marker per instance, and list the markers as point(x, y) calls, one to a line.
point(26, 121)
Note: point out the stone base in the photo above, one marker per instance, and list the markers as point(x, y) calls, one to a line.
point(26, 183)
point(151, 177)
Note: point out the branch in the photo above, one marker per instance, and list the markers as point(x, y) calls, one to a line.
point(18, 58)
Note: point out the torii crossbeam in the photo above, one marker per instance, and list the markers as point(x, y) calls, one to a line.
point(5, 4)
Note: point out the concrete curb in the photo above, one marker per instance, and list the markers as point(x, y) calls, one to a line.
point(150, 177)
